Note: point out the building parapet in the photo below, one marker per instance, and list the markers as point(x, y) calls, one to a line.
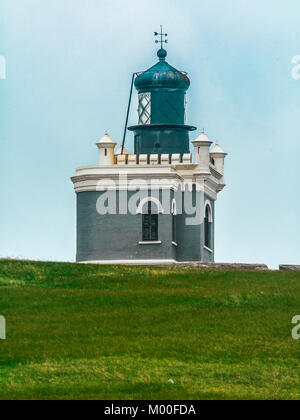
point(152, 159)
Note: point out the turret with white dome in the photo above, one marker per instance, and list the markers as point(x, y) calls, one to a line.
point(106, 150)
point(218, 156)
point(202, 145)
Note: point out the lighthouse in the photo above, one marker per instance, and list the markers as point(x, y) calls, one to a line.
point(156, 203)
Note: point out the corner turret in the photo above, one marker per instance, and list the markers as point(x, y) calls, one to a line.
point(106, 151)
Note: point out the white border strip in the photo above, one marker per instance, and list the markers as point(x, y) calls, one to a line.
point(129, 262)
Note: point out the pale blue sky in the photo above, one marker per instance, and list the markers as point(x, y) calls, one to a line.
point(69, 64)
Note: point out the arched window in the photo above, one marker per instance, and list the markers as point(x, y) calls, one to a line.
point(174, 230)
point(150, 223)
point(105, 152)
point(174, 222)
point(208, 226)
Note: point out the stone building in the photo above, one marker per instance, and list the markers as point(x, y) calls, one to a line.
point(158, 204)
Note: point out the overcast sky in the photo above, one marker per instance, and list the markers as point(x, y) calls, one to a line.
point(69, 65)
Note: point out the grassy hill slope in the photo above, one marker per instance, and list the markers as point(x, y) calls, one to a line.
point(87, 331)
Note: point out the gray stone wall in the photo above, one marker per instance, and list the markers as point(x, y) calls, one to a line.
point(117, 237)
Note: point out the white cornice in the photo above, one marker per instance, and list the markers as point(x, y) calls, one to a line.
point(96, 178)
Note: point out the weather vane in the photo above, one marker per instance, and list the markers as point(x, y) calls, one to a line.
point(162, 35)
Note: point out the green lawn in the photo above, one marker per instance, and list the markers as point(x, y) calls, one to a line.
point(94, 332)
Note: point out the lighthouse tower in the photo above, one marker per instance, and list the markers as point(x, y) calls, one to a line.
point(162, 125)
point(156, 204)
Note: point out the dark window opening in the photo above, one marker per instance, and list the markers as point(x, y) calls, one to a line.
point(174, 230)
point(105, 152)
point(208, 228)
point(150, 225)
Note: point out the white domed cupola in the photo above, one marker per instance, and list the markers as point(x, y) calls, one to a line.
point(106, 151)
point(218, 155)
point(202, 145)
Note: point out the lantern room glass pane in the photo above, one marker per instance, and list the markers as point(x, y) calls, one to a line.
point(144, 109)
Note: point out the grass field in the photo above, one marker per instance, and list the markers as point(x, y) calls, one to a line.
point(94, 332)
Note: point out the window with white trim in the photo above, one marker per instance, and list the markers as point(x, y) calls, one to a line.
point(208, 227)
point(174, 229)
point(150, 224)
point(174, 221)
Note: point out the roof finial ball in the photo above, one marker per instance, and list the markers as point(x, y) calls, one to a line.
point(162, 54)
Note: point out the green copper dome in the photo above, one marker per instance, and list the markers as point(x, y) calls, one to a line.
point(162, 75)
